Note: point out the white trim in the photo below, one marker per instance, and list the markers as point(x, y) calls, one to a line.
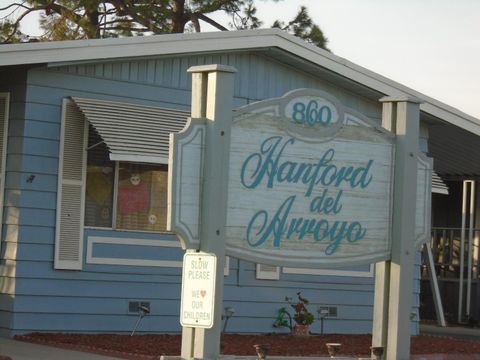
point(136, 262)
point(266, 275)
point(84, 187)
point(327, 272)
point(3, 160)
point(130, 262)
point(133, 241)
point(58, 207)
point(139, 159)
point(101, 228)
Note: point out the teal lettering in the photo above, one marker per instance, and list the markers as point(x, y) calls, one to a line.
point(267, 167)
point(281, 227)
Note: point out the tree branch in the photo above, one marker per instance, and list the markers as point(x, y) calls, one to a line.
point(124, 9)
point(195, 22)
point(116, 21)
point(19, 19)
point(211, 22)
point(124, 29)
point(14, 4)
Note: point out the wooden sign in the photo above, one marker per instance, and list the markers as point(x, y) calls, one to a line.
point(310, 184)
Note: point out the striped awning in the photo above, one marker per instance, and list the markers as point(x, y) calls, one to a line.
point(132, 132)
point(438, 186)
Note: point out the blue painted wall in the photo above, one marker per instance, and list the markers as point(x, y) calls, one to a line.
point(96, 299)
point(13, 81)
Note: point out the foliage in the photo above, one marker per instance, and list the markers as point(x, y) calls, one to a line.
point(304, 27)
point(284, 319)
point(301, 314)
point(86, 19)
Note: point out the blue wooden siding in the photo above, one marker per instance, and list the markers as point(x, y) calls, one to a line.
point(258, 77)
point(96, 299)
point(257, 301)
point(13, 82)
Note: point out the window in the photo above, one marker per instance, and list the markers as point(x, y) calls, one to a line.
point(116, 177)
point(123, 195)
point(267, 272)
point(142, 197)
point(99, 185)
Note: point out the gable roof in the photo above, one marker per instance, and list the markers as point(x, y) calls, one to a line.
point(273, 40)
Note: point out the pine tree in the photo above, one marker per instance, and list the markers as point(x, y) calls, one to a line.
point(89, 19)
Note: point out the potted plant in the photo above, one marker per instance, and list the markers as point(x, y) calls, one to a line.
point(302, 317)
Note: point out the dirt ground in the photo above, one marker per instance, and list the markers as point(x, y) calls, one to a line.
point(149, 347)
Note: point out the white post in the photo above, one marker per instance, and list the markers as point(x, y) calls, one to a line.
point(432, 273)
point(470, 248)
point(402, 116)
point(462, 253)
point(380, 304)
point(212, 96)
point(382, 269)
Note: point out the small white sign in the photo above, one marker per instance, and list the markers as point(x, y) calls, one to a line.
point(198, 290)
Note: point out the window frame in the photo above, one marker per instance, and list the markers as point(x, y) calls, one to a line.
point(116, 177)
point(331, 272)
point(262, 274)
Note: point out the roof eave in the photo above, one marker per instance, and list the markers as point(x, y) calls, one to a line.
point(181, 44)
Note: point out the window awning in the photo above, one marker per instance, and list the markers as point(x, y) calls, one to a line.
point(133, 132)
point(438, 186)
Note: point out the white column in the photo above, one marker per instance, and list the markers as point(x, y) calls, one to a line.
point(468, 202)
point(401, 115)
point(212, 96)
point(382, 269)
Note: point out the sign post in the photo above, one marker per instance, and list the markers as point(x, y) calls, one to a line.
point(212, 95)
point(299, 181)
point(394, 278)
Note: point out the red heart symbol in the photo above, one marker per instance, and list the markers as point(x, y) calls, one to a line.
point(203, 293)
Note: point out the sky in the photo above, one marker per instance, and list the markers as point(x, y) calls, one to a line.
point(432, 46)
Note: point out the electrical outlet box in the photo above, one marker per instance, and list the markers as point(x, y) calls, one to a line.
point(134, 306)
point(327, 311)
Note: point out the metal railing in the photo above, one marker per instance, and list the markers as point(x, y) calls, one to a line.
point(446, 248)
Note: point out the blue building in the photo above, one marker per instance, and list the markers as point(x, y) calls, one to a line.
point(84, 136)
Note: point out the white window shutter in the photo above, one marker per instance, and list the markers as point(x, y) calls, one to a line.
point(71, 189)
point(4, 110)
point(267, 272)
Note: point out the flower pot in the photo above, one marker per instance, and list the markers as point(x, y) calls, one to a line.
point(262, 351)
point(302, 330)
point(333, 349)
